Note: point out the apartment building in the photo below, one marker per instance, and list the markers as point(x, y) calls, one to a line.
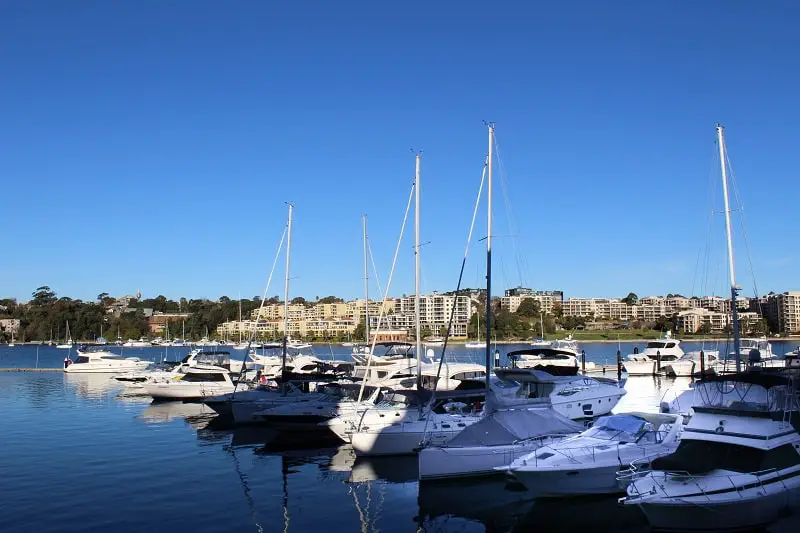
point(547, 299)
point(788, 307)
point(435, 310)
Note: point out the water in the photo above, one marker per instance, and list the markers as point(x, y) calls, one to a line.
point(78, 456)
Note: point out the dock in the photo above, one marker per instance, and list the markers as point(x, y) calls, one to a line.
point(31, 369)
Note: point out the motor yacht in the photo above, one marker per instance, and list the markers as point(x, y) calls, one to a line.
point(172, 369)
point(393, 352)
point(141, 343)
point(240, 407)
point(393, 406)
point(198, 382)
point(748, 348)
point(738, 462)
point(102, 361)
point(666, 350)
point(689, 365)
point(588, 462)
point(575, 397)
point(495, 440)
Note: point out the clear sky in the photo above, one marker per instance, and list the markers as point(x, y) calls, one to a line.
point(154, 144)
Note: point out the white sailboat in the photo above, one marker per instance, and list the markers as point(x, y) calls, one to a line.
point(11, 344)
point(478, 343)
point(738, 464)
point(67, 344)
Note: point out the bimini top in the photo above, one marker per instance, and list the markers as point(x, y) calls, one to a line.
point(509, 426)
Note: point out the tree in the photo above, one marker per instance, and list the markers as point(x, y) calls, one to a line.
point(631, 299)
point(298, 300)
point(705, 328)
point(329, 300)
point(43, 296)
point(102, 296)
point(529, 308)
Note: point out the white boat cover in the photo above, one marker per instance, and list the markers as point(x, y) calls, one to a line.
point(508, 426)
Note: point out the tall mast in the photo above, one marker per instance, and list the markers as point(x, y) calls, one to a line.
point(416, 275)
point(286, 295)
point(734, 288)
point(240, 318)
point(489, 261)
point(366, 282)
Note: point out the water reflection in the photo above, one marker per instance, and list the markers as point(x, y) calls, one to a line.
point(161, 412)
point(401, 469)
point(599, 514)
point(92, 386)
point(495, 502)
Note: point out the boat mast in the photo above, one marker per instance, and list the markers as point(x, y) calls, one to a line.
point(416, 276)
point(240, 318)
point(366, 283)
point(734, 288)
point(286, 298)
point(489, 261)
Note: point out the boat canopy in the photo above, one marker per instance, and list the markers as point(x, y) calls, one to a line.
point(623, 427)
point(512, 425)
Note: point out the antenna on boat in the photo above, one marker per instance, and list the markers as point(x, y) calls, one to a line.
point(734, 287)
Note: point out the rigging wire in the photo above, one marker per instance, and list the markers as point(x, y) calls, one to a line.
point(261, 308)
point(742, 225)
point(388, 287)
point(511, 219)
point(458, 289)
point(375, 270)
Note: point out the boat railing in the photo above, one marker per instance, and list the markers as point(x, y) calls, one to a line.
point(738, 482)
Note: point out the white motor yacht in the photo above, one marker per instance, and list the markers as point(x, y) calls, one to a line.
point(337, 400)
point(665, 349)
point(392, 352)
point(574, 396)
point(738, 463)
point(141, 343)
point(103, 361)
point(546, 357)
point(169, 370)
point(689, 365)
point(393, 406)
point(198, 382)
point(495, 440)
point(588, 462)
point(241, 406)
point(747, 349)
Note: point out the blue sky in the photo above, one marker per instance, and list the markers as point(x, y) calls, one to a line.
point(153, 145)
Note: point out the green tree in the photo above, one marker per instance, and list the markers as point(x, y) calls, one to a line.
point(43, 296)
point(705, 328)
point(631, 299)
point(529, 308)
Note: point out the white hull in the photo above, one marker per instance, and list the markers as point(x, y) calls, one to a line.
point(734, 510)
point(63, 346)
point(682, 369)
point(177, 390)
point(115, 367)
point(641, 368)
point(451, 462)
point(571, 481)
point(475, 345)
point(368, 443)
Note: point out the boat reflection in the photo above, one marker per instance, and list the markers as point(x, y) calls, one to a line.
point(398, 469)
point(495, 502)
point(599, 514)
point(92, 386)
point(161, 412)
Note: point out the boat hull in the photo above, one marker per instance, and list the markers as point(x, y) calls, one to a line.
point(185, 391)
point(641, 368)
point(735, 515)
point(370, 443)
point(101, 368)
point(571, 482)
point(473, 461)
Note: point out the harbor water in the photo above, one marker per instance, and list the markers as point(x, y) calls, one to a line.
point(78, 455)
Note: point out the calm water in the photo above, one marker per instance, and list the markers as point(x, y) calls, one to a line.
point(77, 455)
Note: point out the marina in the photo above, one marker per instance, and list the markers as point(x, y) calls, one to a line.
point(249, 478)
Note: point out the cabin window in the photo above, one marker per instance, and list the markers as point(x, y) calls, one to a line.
point(196, 376)
point(82, 359)
point(698, 457)
point(670, 345)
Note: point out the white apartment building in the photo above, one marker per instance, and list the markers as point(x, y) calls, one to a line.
point(435, 310)
point(788, 304)
point(691, 320)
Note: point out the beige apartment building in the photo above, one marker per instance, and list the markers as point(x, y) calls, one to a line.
point(788, 304)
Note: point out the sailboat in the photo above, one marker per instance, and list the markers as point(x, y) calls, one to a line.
point(11, 344)
point(242, 344)
point(738, 465)
point(364, 349)
point(478, 343)
point(67, 340)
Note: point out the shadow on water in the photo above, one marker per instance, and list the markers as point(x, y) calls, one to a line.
point(598, 514)
point(396, 469)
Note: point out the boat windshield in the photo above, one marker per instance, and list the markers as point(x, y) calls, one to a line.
point(656, 345)
point(742, 396)
point(624, 428)
point(203, 376)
